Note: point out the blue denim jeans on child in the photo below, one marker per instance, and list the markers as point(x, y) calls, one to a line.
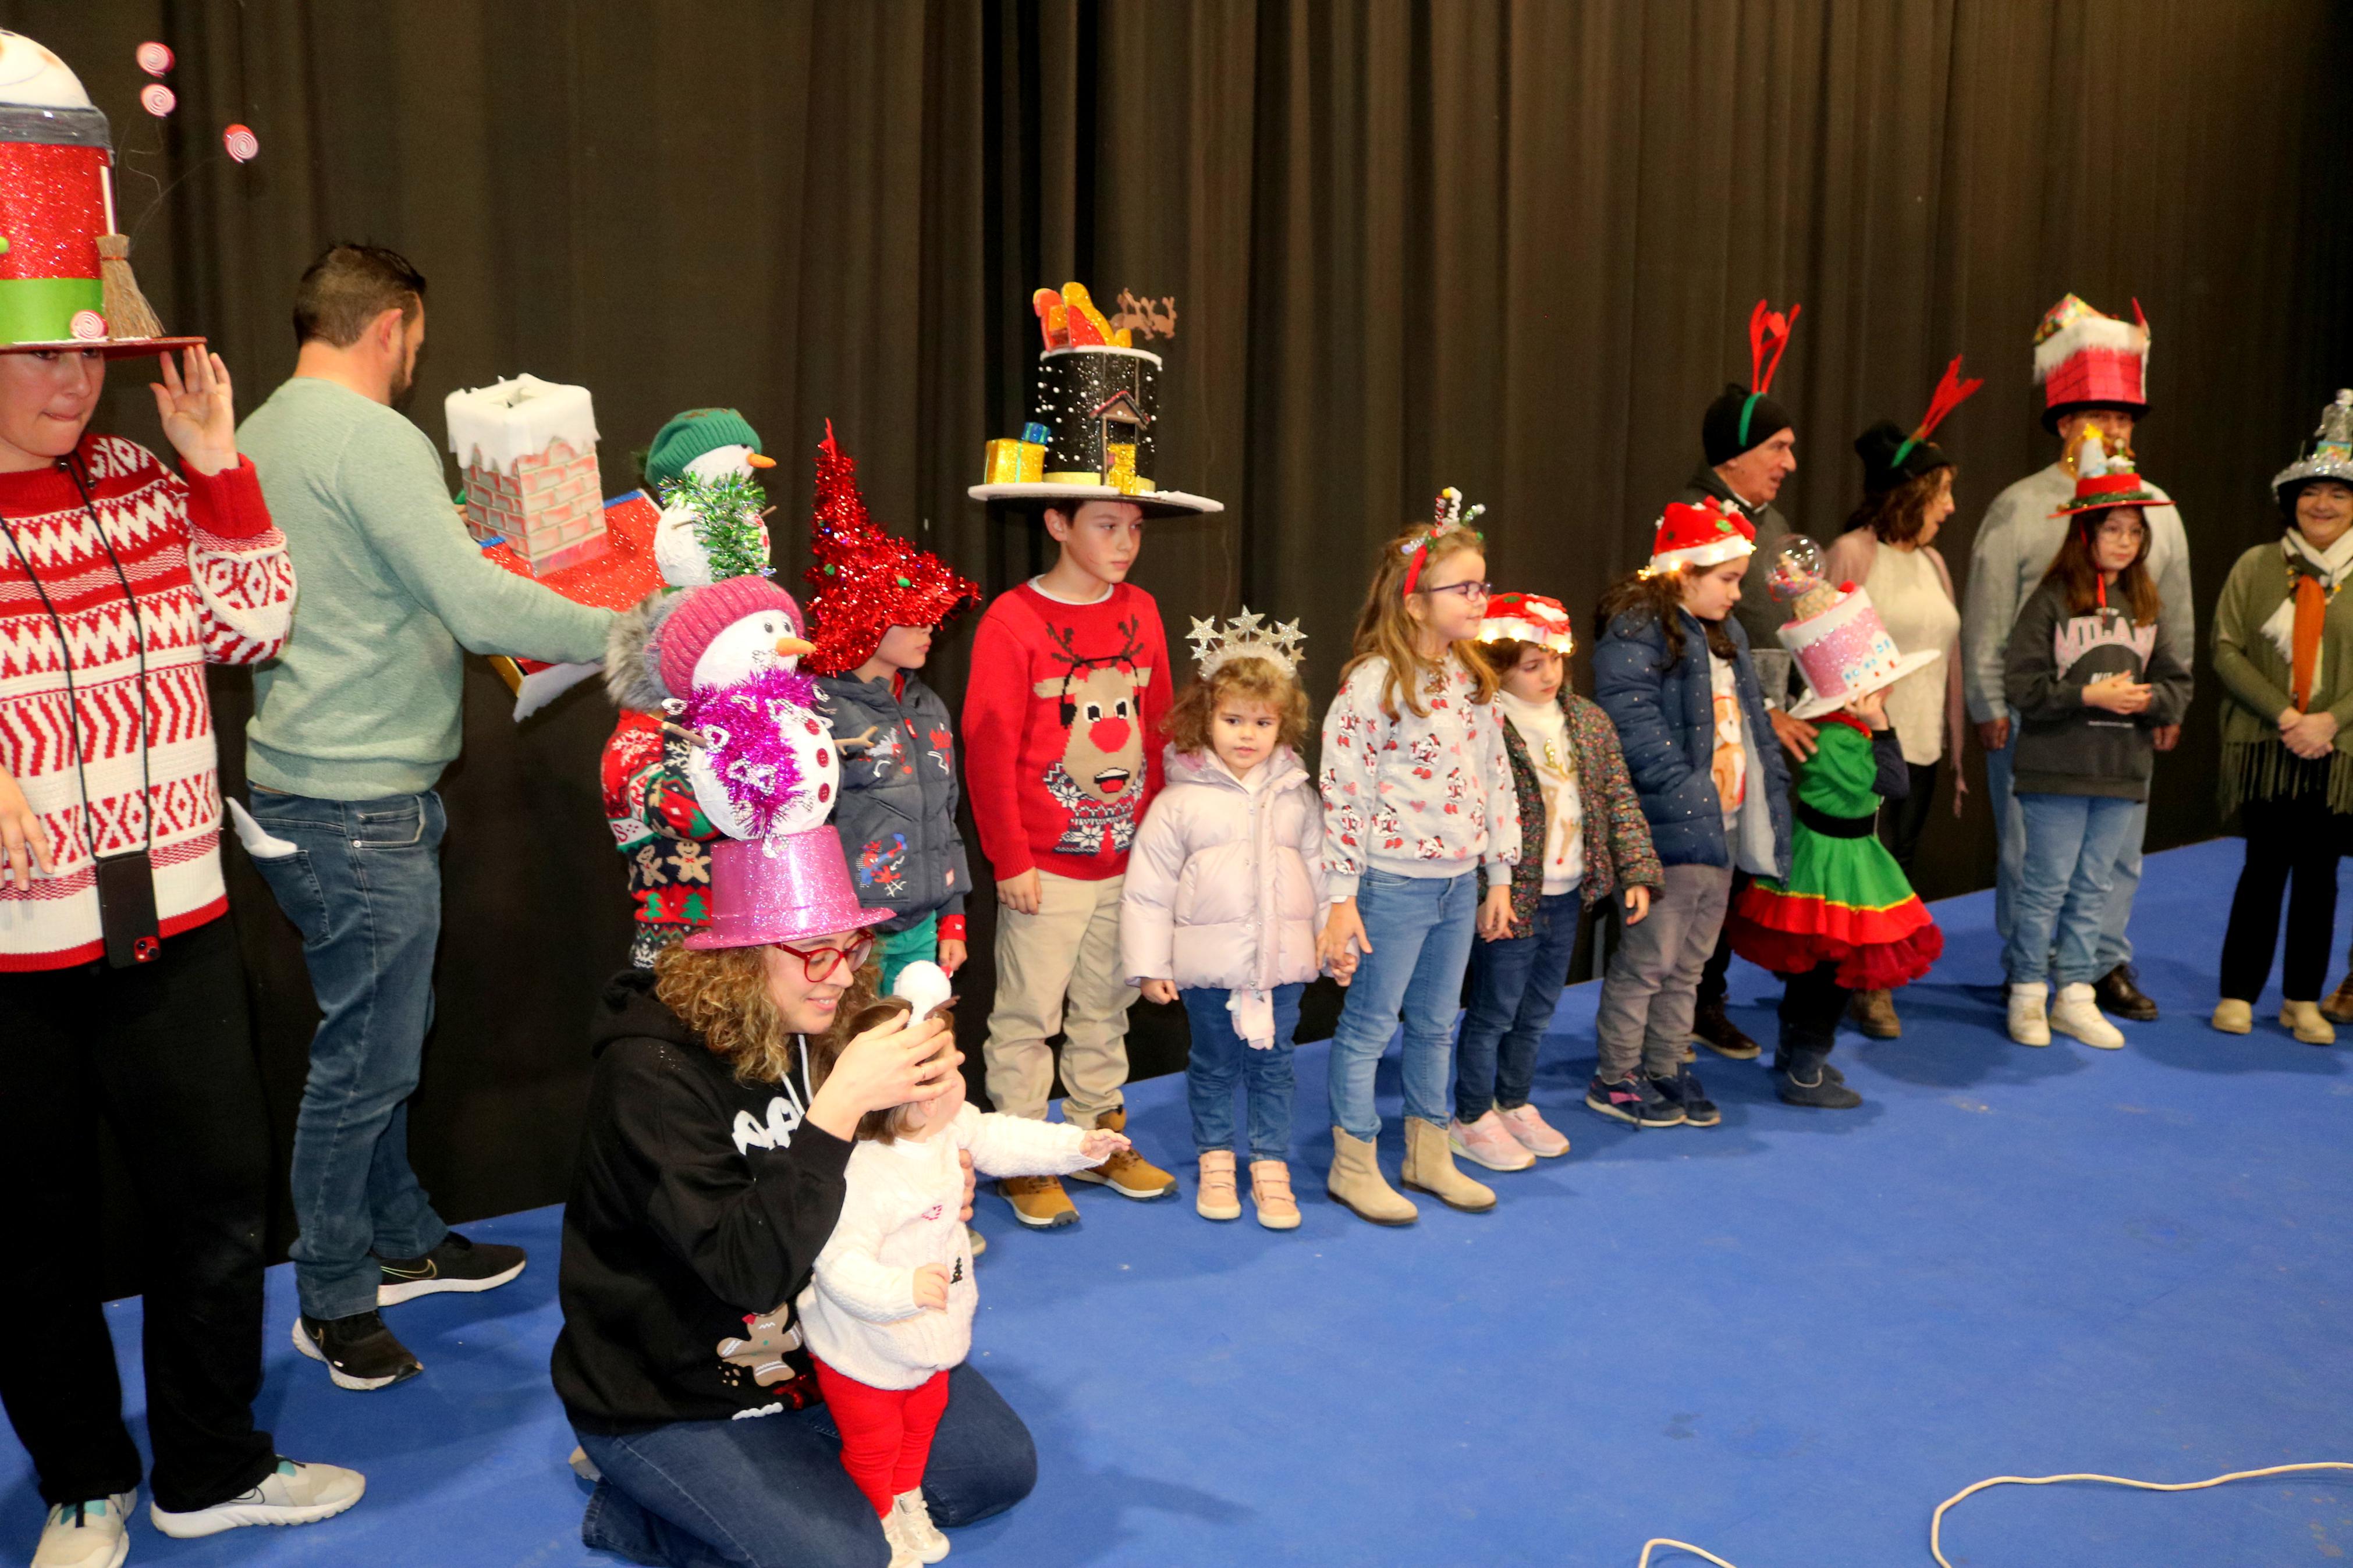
point(1515, 983)
point(363, 884)
point(1219, 1056)
point(2074, 844)
point(2010, 842)
point(721, 1494)
point(1420, 929)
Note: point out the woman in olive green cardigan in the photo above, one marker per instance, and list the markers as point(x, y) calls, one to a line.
point(2283, 649)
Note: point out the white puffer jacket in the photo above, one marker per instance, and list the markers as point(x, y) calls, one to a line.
point(1225, 882)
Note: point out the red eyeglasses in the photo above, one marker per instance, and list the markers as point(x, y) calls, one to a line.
point(822, 963)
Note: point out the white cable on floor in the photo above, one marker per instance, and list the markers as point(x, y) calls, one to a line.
point(1937, 1520)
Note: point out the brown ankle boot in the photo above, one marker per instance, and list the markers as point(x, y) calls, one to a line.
point(2339, 1007)
point(1873, 1012)
point(1355, 1184)
point(1429, 1168)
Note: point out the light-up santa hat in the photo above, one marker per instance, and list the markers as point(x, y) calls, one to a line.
point(1694, 537)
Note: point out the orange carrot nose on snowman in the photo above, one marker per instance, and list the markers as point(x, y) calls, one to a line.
point(793, 647)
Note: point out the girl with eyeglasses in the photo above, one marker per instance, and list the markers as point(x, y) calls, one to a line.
point(1418, 797)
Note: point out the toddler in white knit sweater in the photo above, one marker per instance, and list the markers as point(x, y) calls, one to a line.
point(890, 1308)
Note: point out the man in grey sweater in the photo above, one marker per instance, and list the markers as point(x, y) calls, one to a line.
point(353, 725)
point(2015, 545)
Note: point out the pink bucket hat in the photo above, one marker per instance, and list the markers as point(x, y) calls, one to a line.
point(698, 614)
point(781, 889)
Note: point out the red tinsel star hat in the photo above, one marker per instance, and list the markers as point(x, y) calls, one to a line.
point(866, 580)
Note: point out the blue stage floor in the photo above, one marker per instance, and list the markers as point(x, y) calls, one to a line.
point(1786, 1339)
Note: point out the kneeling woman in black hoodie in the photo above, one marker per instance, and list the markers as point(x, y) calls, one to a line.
point(709, 1177)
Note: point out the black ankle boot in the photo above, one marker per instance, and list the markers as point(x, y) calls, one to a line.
point(1807, 1081)
point(1781, 1064)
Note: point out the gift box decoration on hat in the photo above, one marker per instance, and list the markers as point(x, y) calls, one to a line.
point(1840, 643)
point(2085, 359)
point(1094, 431)
point(65, 266)
point(867, 581)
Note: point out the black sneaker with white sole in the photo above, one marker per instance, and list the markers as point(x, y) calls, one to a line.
point(455, 1265)
point(1684, 1090)
point(360, 1352)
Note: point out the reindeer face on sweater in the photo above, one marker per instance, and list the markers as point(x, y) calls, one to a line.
point(1101, 698)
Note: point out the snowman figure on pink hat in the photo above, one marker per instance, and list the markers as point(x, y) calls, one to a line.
point(723, 661)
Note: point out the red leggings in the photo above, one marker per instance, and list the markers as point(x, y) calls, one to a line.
point(886, 1433)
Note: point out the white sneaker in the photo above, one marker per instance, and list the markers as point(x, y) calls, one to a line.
point(2028, 1026)
point(2077, 1013)
point(291, 1494)
point(904, 1553)
point(93, 1534)
point(916, 1520)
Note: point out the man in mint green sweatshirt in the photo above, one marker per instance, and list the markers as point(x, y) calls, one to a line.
point(353, 725)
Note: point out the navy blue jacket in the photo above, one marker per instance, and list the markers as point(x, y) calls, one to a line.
point(1665, 716)
point(897, 813)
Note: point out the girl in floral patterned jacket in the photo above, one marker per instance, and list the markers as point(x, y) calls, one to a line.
point(1583, 838)
point(1417, 796)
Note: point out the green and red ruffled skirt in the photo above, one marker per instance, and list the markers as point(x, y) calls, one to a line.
point(1846, 902)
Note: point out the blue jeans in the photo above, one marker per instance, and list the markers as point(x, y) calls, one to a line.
point(1420, 929)
point(1515, 983)
point(2009, 840)
point(2073, 844)
point(1219, 1056)
point(770, 1492)
point(363, 884)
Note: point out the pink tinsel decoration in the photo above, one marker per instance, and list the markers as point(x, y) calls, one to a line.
point(750, 751)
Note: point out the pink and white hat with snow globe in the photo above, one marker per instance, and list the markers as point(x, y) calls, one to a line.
point(1840, 643)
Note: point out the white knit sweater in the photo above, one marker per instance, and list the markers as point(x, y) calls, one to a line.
point(859, 1314)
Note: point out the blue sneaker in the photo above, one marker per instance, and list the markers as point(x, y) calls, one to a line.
point(1684, 1090)
point(1633, 1100)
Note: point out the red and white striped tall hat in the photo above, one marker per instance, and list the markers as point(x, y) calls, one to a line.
point(2085, 359)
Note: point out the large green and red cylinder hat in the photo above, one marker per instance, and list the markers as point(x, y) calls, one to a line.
point(56, 200)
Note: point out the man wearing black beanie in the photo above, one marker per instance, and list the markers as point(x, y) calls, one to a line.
point(1751, 447)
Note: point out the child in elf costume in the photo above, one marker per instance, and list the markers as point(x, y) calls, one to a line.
point(1844, 918)
point(657, 826)
point(877, 602)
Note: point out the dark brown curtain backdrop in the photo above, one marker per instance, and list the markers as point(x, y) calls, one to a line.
point(1509, 245)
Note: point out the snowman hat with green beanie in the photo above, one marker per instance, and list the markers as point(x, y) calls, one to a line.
point(698, 433)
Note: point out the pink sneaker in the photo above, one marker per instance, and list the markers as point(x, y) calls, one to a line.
point(1486, 1143)
point(1532, 1133)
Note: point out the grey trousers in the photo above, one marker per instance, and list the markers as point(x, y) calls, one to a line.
point(1653, 986)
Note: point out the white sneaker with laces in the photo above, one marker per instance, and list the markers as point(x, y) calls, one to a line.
point(922, 1533)
point(93, 1534)
point(2077, 1013)
point(904, 1553)
point(291, 1494)
point(2028, 1026)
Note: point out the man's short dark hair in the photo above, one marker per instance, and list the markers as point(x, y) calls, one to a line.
point(350, 286)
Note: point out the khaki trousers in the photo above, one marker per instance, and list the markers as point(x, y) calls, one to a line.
point(1069, 949)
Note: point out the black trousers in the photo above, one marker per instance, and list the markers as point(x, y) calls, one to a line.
point(1902, 822)
point(1811, 1005)
point(1713, 983)
point(2292, 836)
point(163, 1053)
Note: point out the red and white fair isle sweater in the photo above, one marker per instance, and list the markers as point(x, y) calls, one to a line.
point(213, 585)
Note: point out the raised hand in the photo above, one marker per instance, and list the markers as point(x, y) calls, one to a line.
point(198, 410)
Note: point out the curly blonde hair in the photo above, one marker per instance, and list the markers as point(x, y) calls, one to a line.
point(1254, 680)
point(722, 994)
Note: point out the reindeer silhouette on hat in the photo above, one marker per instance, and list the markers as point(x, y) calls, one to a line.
point(1099, 775)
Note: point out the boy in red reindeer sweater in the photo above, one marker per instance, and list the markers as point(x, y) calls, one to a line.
point(1061, 719)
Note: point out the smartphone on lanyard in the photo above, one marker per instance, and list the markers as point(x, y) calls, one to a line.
point(125, 880)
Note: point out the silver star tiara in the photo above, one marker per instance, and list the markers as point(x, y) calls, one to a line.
point(1246, 636)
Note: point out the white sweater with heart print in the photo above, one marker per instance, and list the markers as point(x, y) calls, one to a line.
point(858, 1313)
point(1415, 796)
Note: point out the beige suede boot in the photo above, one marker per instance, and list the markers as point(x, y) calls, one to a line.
point(1429, 1168)
point(1357, 1186)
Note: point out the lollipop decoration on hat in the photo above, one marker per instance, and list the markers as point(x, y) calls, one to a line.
point(1840, 643)
point(867, 581)
point(1447, 516)
point(1246, 636)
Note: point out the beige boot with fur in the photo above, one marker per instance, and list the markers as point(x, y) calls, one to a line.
point(1429, 1168)
point(1355, 1183)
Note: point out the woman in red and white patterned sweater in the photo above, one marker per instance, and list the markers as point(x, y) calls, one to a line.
point(120, 581)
